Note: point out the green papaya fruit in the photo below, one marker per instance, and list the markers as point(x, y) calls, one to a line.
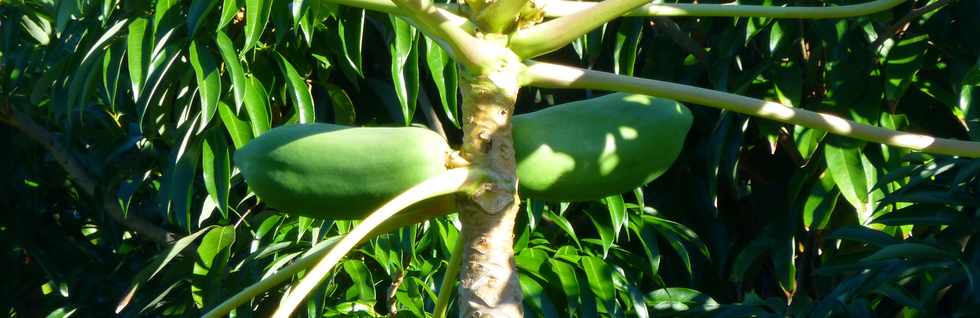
point(590, 149)
point(339, 172)
point(578, 151)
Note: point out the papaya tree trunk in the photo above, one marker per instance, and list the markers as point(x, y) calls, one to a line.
point(489, 285)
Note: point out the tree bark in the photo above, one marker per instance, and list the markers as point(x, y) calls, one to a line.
point(489, 285)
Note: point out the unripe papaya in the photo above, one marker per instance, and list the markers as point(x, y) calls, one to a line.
point(590, 149)
point(339, 172)
point(578, 151)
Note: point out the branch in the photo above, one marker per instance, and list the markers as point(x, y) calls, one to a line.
point(894, 29)
point(448, 182)
point(442, 23)
point(560, 8)
point(81, 176)
point(668, 26)
point(444, 27)
point(552, 35)
point(558, 76)
point(500, 15)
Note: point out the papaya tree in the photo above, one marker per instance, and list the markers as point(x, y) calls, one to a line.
point(175, 81)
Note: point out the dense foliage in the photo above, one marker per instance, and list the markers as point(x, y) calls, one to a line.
point(121, 196)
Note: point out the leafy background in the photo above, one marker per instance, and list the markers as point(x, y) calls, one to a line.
point(151, 98)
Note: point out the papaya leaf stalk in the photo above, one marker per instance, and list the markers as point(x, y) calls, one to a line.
point(461, 45)
point(575, 19)
point(451, 181)
point(560, 8)
point(500, 15)
point(559, 76)
point(555, 34)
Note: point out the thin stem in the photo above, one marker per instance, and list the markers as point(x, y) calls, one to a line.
point(552, 35)
point(681, 38)
point(560, 8)
point(894, 29)
point(449, 281)
point(558, 76)
point(442, 26)
point(448, 182)
point(500, 16)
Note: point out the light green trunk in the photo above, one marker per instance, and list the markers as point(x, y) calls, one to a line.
point(489, 286)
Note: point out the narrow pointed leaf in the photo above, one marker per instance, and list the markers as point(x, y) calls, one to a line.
point(238, 129)
point(197, 12)
point(208, 80)
point(299, 93)
point(404, 65)
point(350, 30)
point(216, 167)
point(138, 53)
point(846, 168)
point(600, 279)
point(256, 17)
point(229, 8)
point(443, 72)
point(234, 67)
point(209, 269)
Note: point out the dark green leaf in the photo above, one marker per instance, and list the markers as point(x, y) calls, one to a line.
point(238, 129)
point(256, 17)
point(198, 10)
point(216, 166)
point(600, 279)
point(234, 67)
point(350, 30)
point(923, 214)
point(404, 66)
point(907, 250)
point(229, 8)
point(138, 53)
point(443, 72)
point(363, 284)
point(209, 270)
point(903, 62)
point(299, 93)
point(846, 166)
point(256, 105)
point(820, 203)
point(208, 80)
